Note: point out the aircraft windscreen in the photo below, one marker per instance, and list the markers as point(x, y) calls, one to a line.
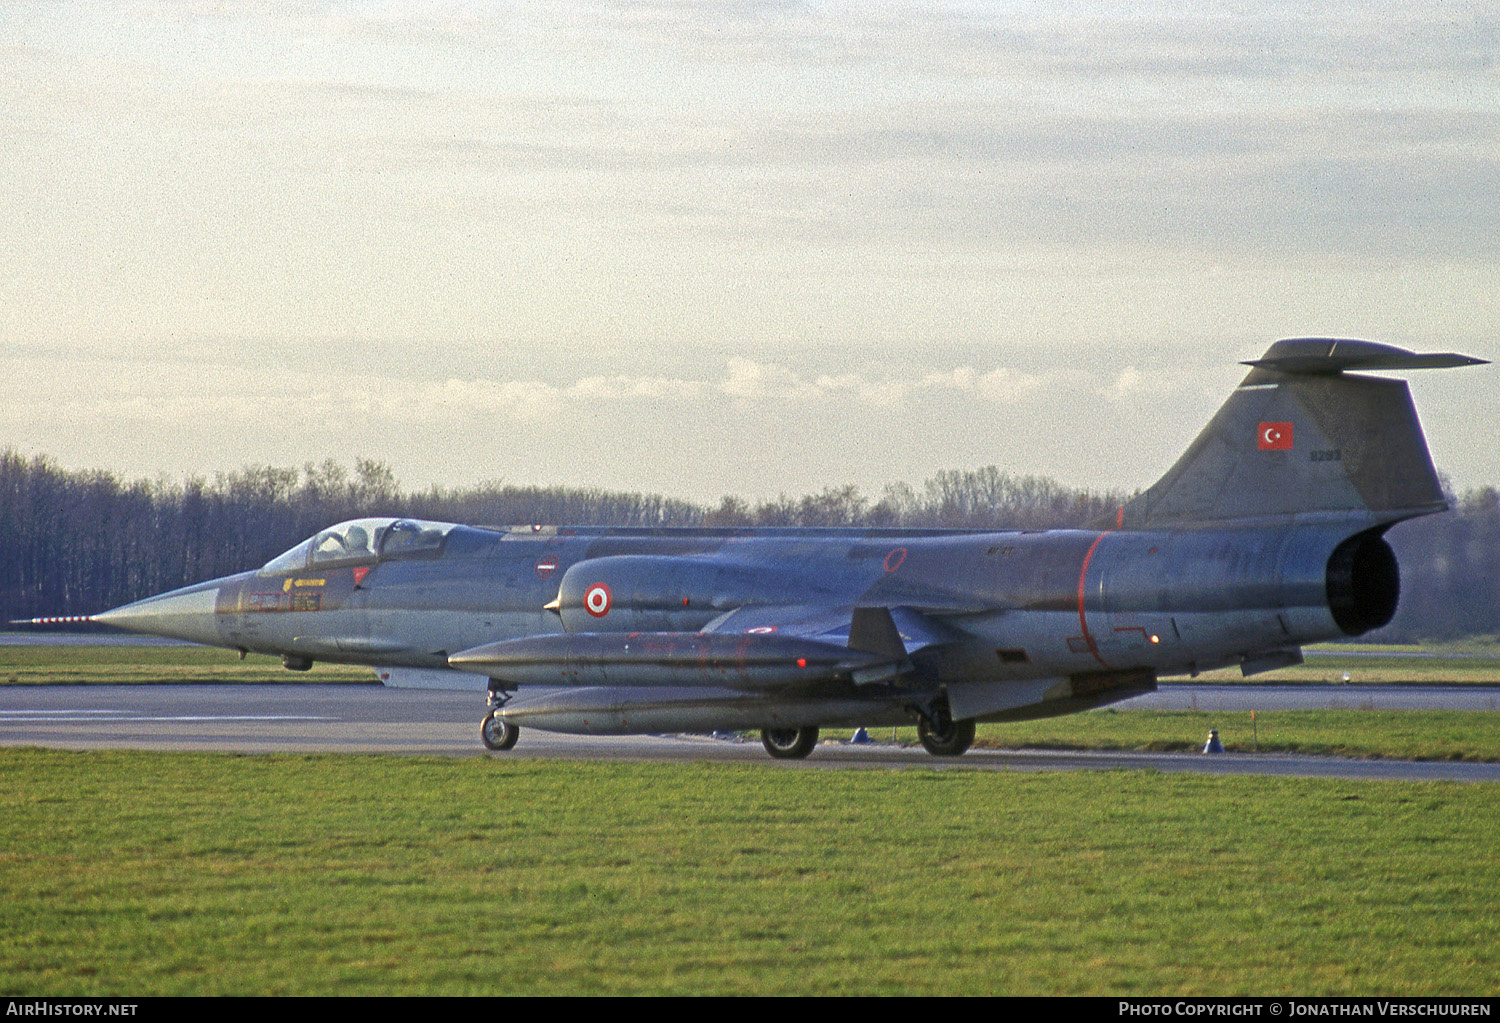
point(361, 541)
point(413, 536)
point(289, 562)
point(348, 542)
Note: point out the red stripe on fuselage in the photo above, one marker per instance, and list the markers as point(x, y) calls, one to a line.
point(1082, 621)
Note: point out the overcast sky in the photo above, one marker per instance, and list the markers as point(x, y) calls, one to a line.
point(728, 248)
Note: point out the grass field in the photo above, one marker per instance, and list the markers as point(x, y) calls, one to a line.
point(106, 664)
point(1368, 734)
point(133, 873)
point(126, 873)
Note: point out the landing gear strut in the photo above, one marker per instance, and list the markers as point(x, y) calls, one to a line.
point(495, 732)
point(789, 743)
point(941, 735)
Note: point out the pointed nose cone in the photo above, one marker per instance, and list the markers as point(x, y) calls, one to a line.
point(190, 613)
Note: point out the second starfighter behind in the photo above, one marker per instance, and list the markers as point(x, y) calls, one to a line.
point(1265, 535)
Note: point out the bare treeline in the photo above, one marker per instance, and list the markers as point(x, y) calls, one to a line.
point(981, 499)
point(1450, 572)
point(76, 542)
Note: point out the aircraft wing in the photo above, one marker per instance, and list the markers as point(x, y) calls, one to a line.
point(894, 631)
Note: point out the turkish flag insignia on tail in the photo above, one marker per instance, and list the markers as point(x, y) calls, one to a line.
point(1275, 437)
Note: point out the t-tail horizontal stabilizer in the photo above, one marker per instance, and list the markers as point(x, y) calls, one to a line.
point(1301, 435)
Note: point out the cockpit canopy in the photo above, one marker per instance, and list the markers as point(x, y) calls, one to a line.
point(362, 542)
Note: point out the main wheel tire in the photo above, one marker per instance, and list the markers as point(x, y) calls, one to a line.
point(948, 739)
point(789, 743)
point(497, 733)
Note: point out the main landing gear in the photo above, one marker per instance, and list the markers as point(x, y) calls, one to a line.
point(940, 734)
point(789, 743)
point(495, 732)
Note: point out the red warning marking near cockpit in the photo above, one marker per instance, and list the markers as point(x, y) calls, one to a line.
point(596, 600)
point(546, 567)
point(893, 560)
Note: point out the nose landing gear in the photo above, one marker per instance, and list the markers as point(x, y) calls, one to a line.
point(495, 732)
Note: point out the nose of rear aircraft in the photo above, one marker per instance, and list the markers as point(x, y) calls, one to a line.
point(191, 613)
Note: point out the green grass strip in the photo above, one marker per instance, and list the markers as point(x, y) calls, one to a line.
point(1398, 734)
point(133, 873)
point(1365, 734)
point(129, 664)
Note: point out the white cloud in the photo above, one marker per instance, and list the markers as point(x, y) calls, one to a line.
point(1006, 385)
point(757, 381)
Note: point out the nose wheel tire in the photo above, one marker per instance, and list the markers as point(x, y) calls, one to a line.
point(497, 733)
point(789, 743)
point(945, 737)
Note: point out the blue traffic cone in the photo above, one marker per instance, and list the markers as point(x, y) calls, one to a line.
point(861, 737)
point(1213, 745)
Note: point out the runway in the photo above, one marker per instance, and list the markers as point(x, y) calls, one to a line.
point(353, 718)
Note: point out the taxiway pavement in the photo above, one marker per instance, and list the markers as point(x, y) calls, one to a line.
point(354, 718)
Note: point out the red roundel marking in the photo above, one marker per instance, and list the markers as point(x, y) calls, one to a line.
point(596, 600)
point(893, 560)
point(546, 567)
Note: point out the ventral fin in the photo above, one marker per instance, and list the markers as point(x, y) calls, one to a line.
point(872, 630)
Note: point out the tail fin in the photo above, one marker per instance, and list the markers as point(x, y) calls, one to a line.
point(1300, 435)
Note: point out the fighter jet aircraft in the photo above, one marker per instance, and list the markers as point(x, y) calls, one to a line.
point(1265, 535)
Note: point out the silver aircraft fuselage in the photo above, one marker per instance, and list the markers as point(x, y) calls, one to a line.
point(1009, 624)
